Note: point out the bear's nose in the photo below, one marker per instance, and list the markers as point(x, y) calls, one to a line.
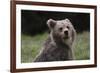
point(66, 32)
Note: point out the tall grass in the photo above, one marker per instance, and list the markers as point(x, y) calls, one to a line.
point(30, 46)
point(82, 46)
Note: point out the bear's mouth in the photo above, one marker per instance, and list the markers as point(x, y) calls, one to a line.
point(66, 37)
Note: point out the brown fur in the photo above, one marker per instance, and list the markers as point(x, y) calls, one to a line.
point(58, 46)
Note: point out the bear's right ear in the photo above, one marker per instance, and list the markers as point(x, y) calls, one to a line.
point(51, 23)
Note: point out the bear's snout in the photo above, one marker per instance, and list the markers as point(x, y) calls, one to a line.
point(66, 32)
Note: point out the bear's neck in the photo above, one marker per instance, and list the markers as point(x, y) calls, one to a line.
point(58, 41)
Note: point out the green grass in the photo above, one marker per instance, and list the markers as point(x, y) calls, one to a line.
point(82, 46)
point(30, 46)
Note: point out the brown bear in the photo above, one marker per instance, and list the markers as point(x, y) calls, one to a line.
point(58, 46)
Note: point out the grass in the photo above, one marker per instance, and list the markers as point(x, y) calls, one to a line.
point(82, 46)
point(30, 46)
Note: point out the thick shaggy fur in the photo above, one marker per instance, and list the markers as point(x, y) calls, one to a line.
point(58, 46)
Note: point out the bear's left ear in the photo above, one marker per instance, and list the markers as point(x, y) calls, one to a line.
point(51, 23)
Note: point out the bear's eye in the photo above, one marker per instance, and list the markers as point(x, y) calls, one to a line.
point(60, 28)
point(67, 27)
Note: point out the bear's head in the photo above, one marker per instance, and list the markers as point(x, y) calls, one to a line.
point(61, 30)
